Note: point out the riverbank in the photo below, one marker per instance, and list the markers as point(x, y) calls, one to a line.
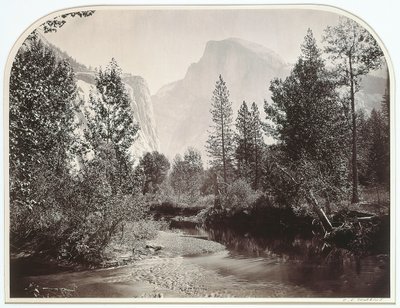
point(362, 229)
point(220, 252)
point(166, 248)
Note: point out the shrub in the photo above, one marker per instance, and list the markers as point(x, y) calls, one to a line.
point(204, 202)
point(89, 231)
point(239, 195)
point(134, 234)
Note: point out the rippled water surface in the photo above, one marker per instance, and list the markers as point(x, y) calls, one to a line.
point(249, 266)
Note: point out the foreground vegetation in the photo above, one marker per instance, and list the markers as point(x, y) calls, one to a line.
point(76, 189)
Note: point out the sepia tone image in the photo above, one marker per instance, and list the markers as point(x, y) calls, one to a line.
point(199, 153)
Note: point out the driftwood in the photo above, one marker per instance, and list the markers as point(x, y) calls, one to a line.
point(319, 211)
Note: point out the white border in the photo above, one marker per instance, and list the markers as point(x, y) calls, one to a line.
point(48, 7)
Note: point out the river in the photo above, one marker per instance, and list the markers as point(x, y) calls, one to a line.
point(242, 265)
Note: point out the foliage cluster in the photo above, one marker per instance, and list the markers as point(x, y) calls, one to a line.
point(66, 209)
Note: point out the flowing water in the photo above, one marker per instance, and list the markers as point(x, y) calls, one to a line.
point(250, 266)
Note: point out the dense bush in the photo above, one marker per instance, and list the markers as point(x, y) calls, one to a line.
point(77, 217)
point(133, 234)
point(239, 195)
point(204, 201)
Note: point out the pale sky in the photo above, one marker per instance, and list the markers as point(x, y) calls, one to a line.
point(159, 45)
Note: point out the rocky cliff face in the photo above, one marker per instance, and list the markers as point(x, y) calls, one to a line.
point(143, 113)
point(142, 107)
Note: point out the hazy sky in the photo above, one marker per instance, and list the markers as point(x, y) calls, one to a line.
point(159, 45)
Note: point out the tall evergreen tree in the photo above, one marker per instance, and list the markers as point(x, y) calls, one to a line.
point(243, 141)
point(257, 144)
point(355, 53)
point(110, 120)
point(220, 143)
point(378, 164)
point(307, 119)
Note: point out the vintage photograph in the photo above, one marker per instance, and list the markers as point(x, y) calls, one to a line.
point(199, 153)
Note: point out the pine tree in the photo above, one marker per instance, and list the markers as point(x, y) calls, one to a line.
point(257, 144)
point(243, 141)
point(110, 120)
point(220, 143)
point(355, 53)
point(307, 118)
point(377, 159)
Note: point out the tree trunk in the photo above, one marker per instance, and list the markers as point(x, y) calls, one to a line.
point(355, 198)
point(217, 193)
point(319, 211)
point(223, 147)
point(256, 166)
point(327, 204)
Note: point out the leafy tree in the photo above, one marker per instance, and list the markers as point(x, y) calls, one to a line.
point(110, 119)
point(355, 53)
point(220, 143)
point(186, 175)
point(95, 213)
point(307, 118)
point(177, 176)
point(42, 97)
point(52, 25)
point(154, 167)
point(68, 215)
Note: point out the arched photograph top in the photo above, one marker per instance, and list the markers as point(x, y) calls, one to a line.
point(199, 154)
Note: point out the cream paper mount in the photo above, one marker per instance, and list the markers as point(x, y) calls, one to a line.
point(199, 154)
